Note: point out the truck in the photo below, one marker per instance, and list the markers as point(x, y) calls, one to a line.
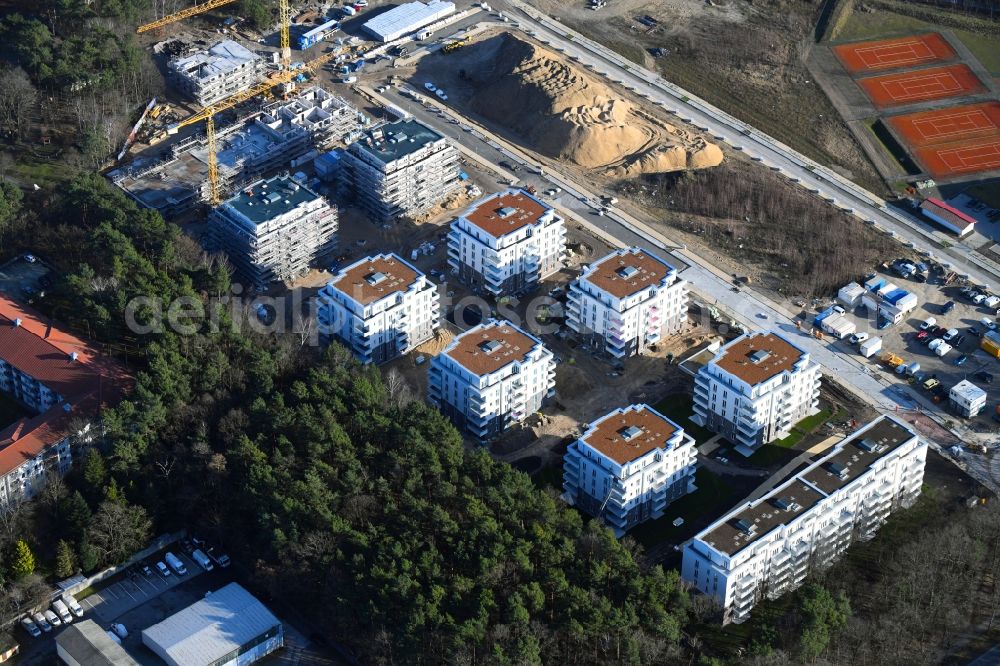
point(349, 10)
point(175, 563)
point(318, 34)
point(423, 34)
point(202, 560)
point(62, 611)
point(892, 360)
point(73, 604)
point(870, 347)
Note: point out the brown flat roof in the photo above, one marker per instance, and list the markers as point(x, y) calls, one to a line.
point(779, 507)
point(859, 452)
point(622, 275)
point(775, 354)
point(505, 212)
point(491, 346)
point(374, 278)
point(608, 438)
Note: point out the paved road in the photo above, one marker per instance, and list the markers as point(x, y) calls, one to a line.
point(833, 187)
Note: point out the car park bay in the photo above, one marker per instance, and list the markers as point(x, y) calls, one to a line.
point(133, 589)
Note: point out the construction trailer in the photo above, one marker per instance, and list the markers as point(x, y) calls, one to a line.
point(850, 295)
point(990, 343)
point(870, 347)
point(213, 75)
point(838, 326)
point(948, 217)
point(318, 34)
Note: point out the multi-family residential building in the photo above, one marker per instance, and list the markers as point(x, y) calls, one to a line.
point(327, 118)
point(491, 377)
point(767, 547)
point(628, 466)
point(626, 302)
point(380, 307)
point(220, 72)
point(61, 382)
point(275, 229)
point(506, 243)
point(399, 169)
point(755, 389)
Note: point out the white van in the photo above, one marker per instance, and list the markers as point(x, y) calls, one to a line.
point(175, 563)
point(74, 605)
point(62, 611)
point(202, 559)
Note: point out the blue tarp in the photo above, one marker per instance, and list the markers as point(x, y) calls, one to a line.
point(823, 315)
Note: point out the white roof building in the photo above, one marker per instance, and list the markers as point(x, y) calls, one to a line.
point(967, 398)
point(407, 18)
point(212, 75)
point(227, 622)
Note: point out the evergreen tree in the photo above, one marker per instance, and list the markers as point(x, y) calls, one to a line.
point(22, 560)
point(65, 560)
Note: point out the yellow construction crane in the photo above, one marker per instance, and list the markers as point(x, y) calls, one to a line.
point(185, 13)
point(208, 115)
point(284, 21)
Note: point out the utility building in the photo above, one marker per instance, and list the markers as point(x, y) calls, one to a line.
point(380, 307)
point(399, 169)
point(628, 467)
point(491, 377)
point(85, 643)
point(229, 627)
point(275, 229)
point(506, 243)
point(967, 399)
point(767, 547)
point(626, 302)
point(220, 72)
point(406, 18)
point(755, 389)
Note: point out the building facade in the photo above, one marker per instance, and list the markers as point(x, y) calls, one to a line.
point(275, 229)
point(628, 467)
point(491, 377)
point(506, 243)
point(626, 302)
point(61, 383)
point(755, 389)
point(768, 547)
point(220, 72)
point(399, 169)
point(381, 307)
point(967, 399)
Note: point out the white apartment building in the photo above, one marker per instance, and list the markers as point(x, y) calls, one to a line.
point(628, 467)
point(61, 382)
point(506, 243)
point(490, 377)
point(755, 389)
point(767, 547)
point(220, 72)
point(381, 307)
point(626, 302)
point(274, 229)
point(967, 399)
point(399, 169)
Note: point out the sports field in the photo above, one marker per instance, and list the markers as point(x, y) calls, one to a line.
point(920, 86)
point(961, 157)
point(958, 123)
point(886, 54)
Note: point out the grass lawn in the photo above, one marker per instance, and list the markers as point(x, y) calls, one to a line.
point(10, 411)
point(678, 408)
point(780, 450)
point(698, 509)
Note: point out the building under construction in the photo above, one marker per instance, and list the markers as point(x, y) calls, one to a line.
point(399, 169)
point(220, 72)
point(275, 229)
point(283, 134)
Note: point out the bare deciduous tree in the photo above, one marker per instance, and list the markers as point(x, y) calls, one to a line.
point(17, 100)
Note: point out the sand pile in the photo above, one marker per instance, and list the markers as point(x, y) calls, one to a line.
point(564, 113)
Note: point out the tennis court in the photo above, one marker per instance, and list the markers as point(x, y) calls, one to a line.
point(961, 157)
point(921, 86)
point(928, 128)
point(884, 54)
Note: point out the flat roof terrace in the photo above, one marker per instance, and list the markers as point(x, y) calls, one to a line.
point(489, 347)
point(506, 212)
point(627, 272)
point(393, 141)
point(374, 278)
point(271, 198)
point(858, 453)
point(758, 358)
point(627, 434)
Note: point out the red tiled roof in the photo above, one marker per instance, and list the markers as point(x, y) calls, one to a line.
point(505, 212)
point(963, 220)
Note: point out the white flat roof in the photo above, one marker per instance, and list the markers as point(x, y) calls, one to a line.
point(225, 56)
point(968, 390)
point(408, 17)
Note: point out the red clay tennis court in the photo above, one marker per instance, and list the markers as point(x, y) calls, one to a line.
point(961, 157)
point(886, 54)
point(928, 128)
point(921, 85)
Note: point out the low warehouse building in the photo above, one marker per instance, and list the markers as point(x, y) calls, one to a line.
point(228, 626)
point(947, 216)
point(85, 643)
point(407, 18)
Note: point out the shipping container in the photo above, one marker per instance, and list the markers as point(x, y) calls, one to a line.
point(871, 347)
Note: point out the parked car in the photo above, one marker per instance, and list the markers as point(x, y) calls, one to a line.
point(984, 377)
point(29, 626)
point(950, 334)
point(938, 331)
point(858, 338)
point(839, 309)
point(73, 604)
point(961, 360)
point(42, 623)
point(922, 335)
point(30, 258)
point(927, 323)
point(947, 307)
point(146, 571)
point(988, 324)
point(163, 569)
point(979, 298)
point(120, 630)
point(221, 559)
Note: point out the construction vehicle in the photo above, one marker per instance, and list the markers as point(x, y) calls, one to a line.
point(892, 360)
point(454, 46)
point(282, 78)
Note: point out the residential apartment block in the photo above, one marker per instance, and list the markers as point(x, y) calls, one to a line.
point(626, 302)
point(399, 169)
point(628, 467)
point(767, 547)
point(327, 118)
point(62, 382)
point(755, 389)
point(274, 229)
point(220, 72)
point(380, 307)
point(506, 243)
point(491, 377)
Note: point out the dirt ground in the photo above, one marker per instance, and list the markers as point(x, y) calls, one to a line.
point(746, 58)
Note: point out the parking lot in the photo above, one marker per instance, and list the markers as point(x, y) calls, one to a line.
point(965, 318)
point(135, 589)
point(22, 279)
